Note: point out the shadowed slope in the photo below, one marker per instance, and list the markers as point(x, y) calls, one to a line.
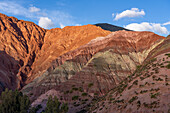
point(110, 27)
point(8, 70)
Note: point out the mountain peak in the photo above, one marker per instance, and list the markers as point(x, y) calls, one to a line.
point(110, 27)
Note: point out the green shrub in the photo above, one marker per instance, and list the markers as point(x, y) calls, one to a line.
point(71, 91)
point(133, 99)
point(75, 89)
point(80, 89)
point(138, 103)
point(157, 89)
point(35, 109)
point(66, 92)
point(111, 99)
point(119, 101)
point(95, 94)
point(84, 94)
point(54, 106)
point(135, 82)
point(168, 54)
point(130, 87)
point(168, 66)
point(154, 95)
point(90, 85)
point(75, 97)
point(138, 67)
point(141, 85)
point(142, 78)
point(143, 91)
point(151, 105)
point(86, 99)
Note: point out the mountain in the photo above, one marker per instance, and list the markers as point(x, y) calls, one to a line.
point(81, 64)
point(110, 27)
point(26, 43)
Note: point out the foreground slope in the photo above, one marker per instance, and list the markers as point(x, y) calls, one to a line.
point(146, 90)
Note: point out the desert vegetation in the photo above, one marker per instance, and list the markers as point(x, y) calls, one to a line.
point(17, 102)
point(55, 106)
point(14, 102)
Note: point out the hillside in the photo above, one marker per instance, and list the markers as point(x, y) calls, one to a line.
point(146, 90)
point(90, 67)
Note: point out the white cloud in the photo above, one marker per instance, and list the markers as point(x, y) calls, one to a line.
point(50, 17)
point(145, 26)
point(13, 8)
point(45, 22)
point(61, 25)
point(78, 25)
point(34, 9)
point(160, 29)
point(134, 12)
point(167, 23)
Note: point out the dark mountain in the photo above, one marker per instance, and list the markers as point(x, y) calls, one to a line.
point(110, 27)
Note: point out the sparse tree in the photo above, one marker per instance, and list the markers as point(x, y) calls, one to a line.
point(14, 102)
point(54, 106)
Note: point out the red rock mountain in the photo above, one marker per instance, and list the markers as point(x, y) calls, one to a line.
point(73, 61)
point(33, 48)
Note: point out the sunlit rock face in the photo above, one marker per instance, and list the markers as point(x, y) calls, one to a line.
point(34, 48)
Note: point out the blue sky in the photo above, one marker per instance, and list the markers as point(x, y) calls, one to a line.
point(139, 15)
